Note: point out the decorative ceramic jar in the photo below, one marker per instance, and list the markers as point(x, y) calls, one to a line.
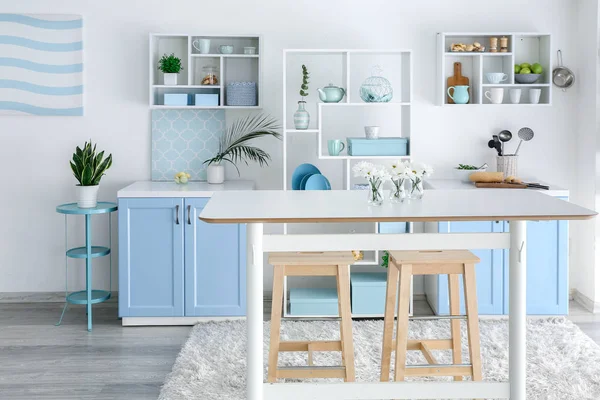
point(376, 88)
point(301, 117)
point(87, 196)
point(215, 173)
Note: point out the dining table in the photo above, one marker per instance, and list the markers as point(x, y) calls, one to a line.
point(257, 208)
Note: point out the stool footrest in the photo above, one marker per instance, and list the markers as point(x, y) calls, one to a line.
point(436, 317)
point(311, 372)
point(439, 370)
point(311, 318)
point(306, 345)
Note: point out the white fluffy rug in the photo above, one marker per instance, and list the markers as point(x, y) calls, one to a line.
point(563, 363)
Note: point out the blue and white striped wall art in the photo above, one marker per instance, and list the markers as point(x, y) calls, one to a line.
point(41, 64)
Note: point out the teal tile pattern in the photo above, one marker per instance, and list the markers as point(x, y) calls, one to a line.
point(182, 140)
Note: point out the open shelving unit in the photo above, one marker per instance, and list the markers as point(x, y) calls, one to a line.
point(230, 67)
point(347, 68)
point(522, 47)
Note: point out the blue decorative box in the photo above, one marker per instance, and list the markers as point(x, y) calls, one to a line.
point(368, 292)
point(313, 301)
point(393, 227)
point(207, 99)
point(176, 99)
point(377, 147)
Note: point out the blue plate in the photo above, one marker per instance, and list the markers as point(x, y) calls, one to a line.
point(300, 172)
point(303, 183)
point(317, 182)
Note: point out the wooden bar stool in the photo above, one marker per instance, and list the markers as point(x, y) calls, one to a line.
point(312, 264)
point(405, 264)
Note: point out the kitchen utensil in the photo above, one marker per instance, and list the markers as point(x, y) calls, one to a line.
point(534, 95)
point(504, 137)
point(495, 95)
point(506, 185)
point(202, 45)
point(226, 49)
point(496, 77)
point(372, 132)
point(562, 76)
point(527, 78)
point(507, 165)
point(525, 134)
point(335, 147)
point(331, 94)
point(299, 173)
point(456, 80)
point(460, 94)
point(317, 182)
point(515, 96)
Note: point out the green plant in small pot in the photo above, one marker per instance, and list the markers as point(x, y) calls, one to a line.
point(170, 66)
point(88, 168)
point(234, 146)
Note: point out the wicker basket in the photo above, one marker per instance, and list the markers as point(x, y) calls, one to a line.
point(241, 94)
point(507, 165)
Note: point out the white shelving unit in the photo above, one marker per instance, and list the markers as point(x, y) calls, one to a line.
point(231, 67)
point(346, 68)
point(522, 47)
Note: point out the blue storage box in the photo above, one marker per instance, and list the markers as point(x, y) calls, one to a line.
point(313, 301)
point(377, 147)
point(176, 99)
point(393, 227)
point(207, 99)
point(368, 292)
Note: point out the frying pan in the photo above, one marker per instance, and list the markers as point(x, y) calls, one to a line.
point(562, 76)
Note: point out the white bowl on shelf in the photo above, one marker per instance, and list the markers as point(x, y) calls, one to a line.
point(463, 174)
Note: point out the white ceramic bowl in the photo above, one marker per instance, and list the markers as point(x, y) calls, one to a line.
point(463, 174)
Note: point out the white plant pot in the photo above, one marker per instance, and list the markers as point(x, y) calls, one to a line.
point(170, 79)
point(215, 174)
point(87, 196)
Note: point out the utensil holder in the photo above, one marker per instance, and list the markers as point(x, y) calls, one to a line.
point(507, 165)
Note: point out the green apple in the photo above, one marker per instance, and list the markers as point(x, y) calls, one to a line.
point(525, 65)
point(517, 68)
point(525, 71)
point(537, 68)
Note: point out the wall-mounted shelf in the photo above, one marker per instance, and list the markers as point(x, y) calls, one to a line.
point(522, 47)
point(229, 68)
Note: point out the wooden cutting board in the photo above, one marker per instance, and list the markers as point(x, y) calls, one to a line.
point(457, 80)
point(501, 185)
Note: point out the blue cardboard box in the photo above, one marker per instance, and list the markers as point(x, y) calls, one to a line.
point(207, 99)
point(176, 99)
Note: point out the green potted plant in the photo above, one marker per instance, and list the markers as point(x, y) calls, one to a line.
point(301, 116)
point(170, 66)
point(88, 168)
point(234, 147)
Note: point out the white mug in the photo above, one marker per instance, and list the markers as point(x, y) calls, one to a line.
point(534, 95)
point(515, 96)
point(496, 77)
point(495, 95)
point(202, 45)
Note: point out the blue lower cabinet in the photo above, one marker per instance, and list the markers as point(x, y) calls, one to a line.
point(151, 258)
point(314, 302)
point(215, 265)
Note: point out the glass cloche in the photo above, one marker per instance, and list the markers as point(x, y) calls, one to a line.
point(376, 88)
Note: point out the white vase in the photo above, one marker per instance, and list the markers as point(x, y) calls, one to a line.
point(87, 196)
point(215, 174)
point(170, 79)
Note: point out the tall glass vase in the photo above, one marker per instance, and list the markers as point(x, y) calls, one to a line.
point(301, 117)
point(398, 193)
point(416, 188)
point(375, 192)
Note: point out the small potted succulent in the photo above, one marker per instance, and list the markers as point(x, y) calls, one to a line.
point(170, 66)
point(234, 147)
point(88, 168)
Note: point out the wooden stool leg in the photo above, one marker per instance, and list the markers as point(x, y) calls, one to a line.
point(402, 325)
point(391, 292)
point(453, 293)
point(472, 320)
point(343, 289)
point(276, 306)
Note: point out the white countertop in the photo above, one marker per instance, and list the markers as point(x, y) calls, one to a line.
point(455, 184)
point(172, 189)
point(276, 206)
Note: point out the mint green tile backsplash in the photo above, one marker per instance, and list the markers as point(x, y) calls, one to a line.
point(182, 140)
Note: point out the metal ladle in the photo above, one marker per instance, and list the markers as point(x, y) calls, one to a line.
point(504, 137)
point(525, 134)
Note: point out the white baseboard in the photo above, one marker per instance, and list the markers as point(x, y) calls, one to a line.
point(41, 297)
point(586, 302)
point(172, 321)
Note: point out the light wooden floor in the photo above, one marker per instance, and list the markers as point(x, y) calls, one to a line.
point(41, 361)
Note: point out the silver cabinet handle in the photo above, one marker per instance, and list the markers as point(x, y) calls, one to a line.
point(177, 214)
point(189, 213)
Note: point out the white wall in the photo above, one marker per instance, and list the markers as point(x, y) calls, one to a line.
point(34, 151)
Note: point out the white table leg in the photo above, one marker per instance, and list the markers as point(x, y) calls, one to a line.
point(517, 313)
point(254, 311)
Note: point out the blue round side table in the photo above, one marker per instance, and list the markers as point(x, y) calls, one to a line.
point(88, 252)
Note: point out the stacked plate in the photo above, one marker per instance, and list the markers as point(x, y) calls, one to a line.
point(308, 177)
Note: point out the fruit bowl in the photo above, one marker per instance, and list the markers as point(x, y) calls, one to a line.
point(463, 174)
point(527, 78)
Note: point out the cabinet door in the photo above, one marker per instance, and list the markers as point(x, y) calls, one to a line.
point(547, 272)
point(215, 265)
point(151, 257)
point(488, 271)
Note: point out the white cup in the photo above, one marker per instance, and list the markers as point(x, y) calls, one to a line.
point(202, 45)
point(372, 132)
point(515, 96)
point(496, 77)
point(495, 95)
point(534, 95)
